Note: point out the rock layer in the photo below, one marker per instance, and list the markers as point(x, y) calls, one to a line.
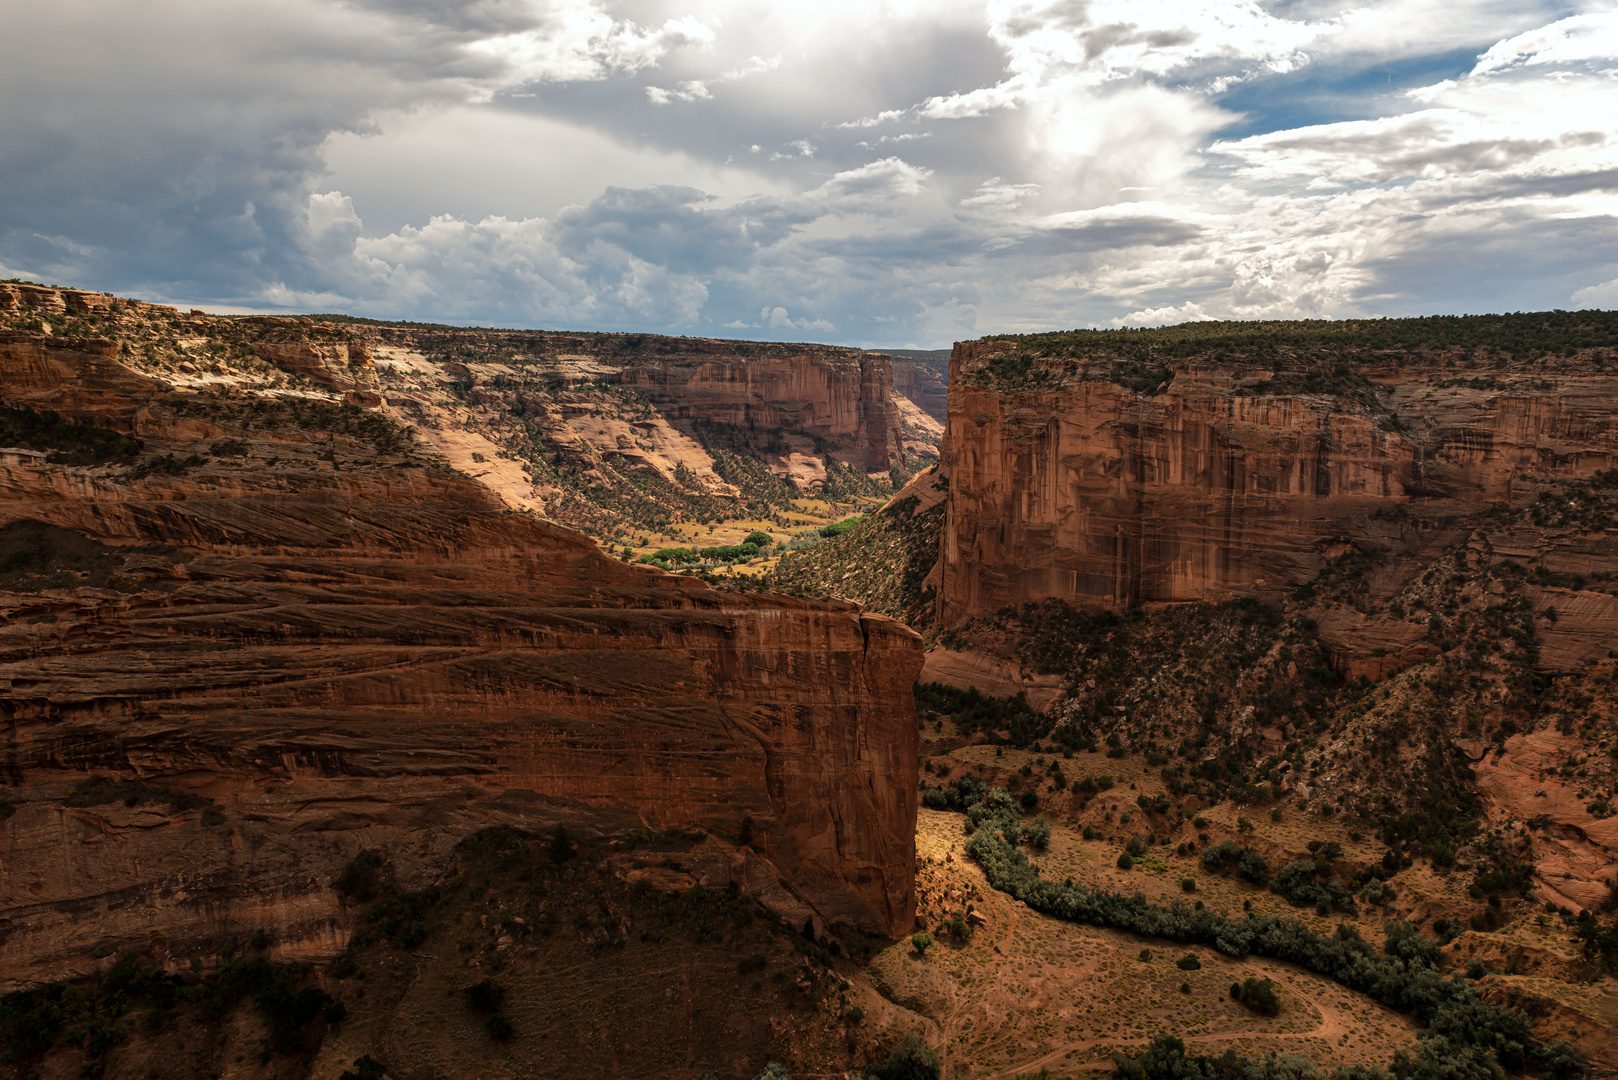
point(346, 650)
point(1104, 496)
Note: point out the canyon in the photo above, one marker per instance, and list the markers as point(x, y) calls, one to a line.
point(325, 640)
point(281, 631)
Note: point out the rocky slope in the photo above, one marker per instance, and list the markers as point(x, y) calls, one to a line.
point(621, 435)
point(251, 631)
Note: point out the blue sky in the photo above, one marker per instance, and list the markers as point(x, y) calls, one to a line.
point(878, 174)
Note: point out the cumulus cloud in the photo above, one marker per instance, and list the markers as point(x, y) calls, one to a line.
point(576, 40)
point(1604, 295)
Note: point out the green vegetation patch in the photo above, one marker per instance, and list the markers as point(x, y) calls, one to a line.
point(878, 560)
point(1464, 1036)
point(96, 1015)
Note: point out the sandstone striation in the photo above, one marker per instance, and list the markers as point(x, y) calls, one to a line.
point(1210, 486)
point(308, 638)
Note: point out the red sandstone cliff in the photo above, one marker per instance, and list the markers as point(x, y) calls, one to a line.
point(347, 647)
point(1205, 489)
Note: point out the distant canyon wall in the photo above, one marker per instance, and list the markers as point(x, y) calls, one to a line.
point(1109, 498)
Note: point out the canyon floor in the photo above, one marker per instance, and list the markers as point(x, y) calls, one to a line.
point(615, 961)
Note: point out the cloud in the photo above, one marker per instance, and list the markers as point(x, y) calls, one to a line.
point(700, 89)
point(692, 166)
point(1592, 36)
point(1050, 42)
point(1163, 316)
point(996, 194)
point(1604, 295)
point(576, 40)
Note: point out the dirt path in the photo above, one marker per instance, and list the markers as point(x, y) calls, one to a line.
point(1031, 992)
point(1331, 1027)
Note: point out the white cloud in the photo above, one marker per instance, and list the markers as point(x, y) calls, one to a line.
point(1050, 42)
point(1163, 316)
point(996, 194)
point(1604, 295)
point(1592, 36)
point(576, 40)
point(700, 89)
point(778, 318)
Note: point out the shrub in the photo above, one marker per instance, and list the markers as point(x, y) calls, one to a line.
point(1258, 995)
point(561, 849)
point(70, 442)
point(1188, 962)
point(1124, 861)
point(760, 540)
point(1222, 857)
point(1189, 884)
point(910, 1060)
point(100, 790)
point(365, 1068)
point(1038, 832)
point(1253, 868)
point(921, 941)
point(838, 528)
point(485, 997)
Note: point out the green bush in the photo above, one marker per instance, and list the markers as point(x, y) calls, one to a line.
point(1462, 1031)
point(910, 1060)
point(921, 941)
point(838, 528)
point(1258, 995)
point(1125, 862)
point(1188, 962)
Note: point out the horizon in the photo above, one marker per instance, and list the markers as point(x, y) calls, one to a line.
point(497, 328)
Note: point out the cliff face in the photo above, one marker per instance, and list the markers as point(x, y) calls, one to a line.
point(839, 396)
point(1204, 488)
point(919, 383)
point(286, 607)
point(625, 436)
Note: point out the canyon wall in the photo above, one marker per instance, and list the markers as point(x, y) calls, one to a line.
point(919, 383)
point(307, 637)
point(840, 396)
point(1206, 488)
